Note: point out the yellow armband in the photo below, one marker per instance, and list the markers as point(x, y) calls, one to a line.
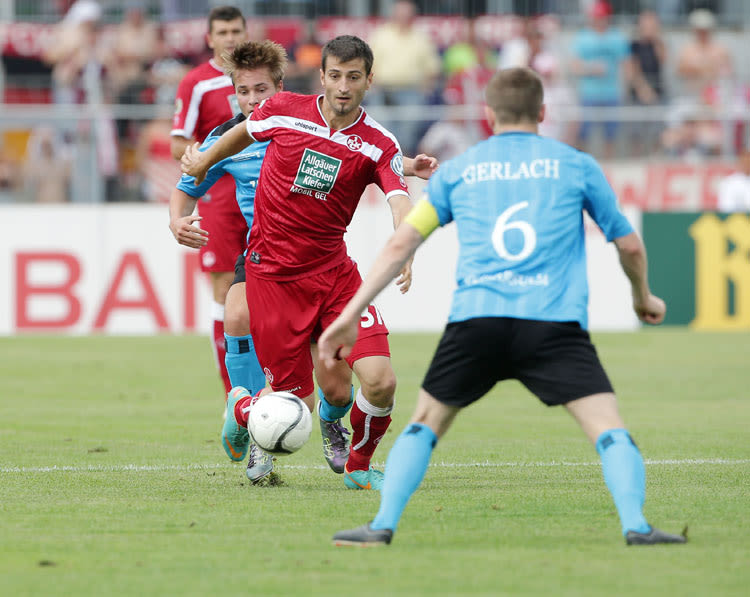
point(423, 217)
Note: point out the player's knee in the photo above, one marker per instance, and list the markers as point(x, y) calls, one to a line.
point(380, 389)
point(236, 320)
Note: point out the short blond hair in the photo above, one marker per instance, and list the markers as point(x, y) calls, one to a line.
point(257, 54)
point(515, 95)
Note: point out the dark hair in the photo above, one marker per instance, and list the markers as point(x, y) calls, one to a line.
point(257, 54)
point(346, 48)
point(224, 13)
point(515, 95)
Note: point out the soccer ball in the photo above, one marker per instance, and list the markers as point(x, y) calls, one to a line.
point(279, 423)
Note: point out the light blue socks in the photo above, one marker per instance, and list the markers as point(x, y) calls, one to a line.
point(404, 470)
point(625, 476)
point(242, 363)
point(329, 412)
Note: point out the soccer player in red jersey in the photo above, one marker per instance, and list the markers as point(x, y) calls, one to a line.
point(323, 152)
point(206, 99)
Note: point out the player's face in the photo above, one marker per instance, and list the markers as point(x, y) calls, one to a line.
point(252, 87)
point(225, 36)
point(344, 84)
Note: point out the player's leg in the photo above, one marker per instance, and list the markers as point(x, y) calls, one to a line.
point(622, 465)
point(371, 413)
point(404, 470)
point(558, 363)
point(220, 284)
point(335, 398)
point(460, 373)
point(241, 360)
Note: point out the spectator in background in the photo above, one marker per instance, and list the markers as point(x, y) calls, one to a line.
point(134, 48)
point(648, 54)
point(693, 134)
point(48, 167)
point(468, 52)
point(303, 71)
point(75, 49)
point(468, 66)
point(601, 55)
point(703, 63)
point(156, 167)
point(406, 69)
point(734, 190)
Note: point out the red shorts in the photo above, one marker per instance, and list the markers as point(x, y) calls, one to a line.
point(225, 224)
point(288, 316)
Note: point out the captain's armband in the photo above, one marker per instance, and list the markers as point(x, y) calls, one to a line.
point(423, 217)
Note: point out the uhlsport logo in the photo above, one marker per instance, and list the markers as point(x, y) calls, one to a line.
point(354, 142)
point(268, 374)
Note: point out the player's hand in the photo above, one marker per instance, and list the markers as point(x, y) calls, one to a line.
point(404, 277)
point(336, 341)
point(424, 166)
point(188, 235)
point(190, 163)
point(651, 311)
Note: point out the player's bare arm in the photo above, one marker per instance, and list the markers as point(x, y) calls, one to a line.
point(196, 163)
point(181, 219)
point(649, 308)
point(177, 145)
point(400, 206)
point(338, 338)
point(422, 165)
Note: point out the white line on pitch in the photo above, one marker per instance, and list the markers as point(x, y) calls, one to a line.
point(145, 468)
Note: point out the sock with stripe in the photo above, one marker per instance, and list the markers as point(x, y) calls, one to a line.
point(217, 314)
point(329, 412)
point(242, 363)
point(369, 424)
point(625, 476)
point(404, 470)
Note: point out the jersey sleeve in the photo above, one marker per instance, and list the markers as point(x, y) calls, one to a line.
point(261, 123)
point(183, 126)
point(437, 194)
point(215, 172)
point(601, 202)
point(389, 173)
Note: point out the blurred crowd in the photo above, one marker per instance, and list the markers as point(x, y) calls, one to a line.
point(619, 89)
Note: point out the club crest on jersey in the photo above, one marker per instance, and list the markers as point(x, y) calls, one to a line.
point(397, 164)
point(177, 106)
point(354, 142)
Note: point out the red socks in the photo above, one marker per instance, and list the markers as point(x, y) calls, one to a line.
point(369, 424)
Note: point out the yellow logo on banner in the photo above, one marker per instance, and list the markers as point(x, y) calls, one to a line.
point(722, 272)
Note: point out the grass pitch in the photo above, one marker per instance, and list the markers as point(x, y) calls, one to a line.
point(113, 482)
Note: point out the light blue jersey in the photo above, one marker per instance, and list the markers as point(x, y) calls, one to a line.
point(244, 167)
point(518, 200)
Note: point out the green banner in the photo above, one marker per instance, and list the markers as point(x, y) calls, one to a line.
point(699, 263)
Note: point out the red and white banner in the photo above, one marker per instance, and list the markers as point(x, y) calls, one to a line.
point(115, 269)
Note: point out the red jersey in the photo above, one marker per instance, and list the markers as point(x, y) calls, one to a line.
point(205, 99)
point(311, 182)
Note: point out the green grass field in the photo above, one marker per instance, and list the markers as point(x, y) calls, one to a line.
point(113, 482)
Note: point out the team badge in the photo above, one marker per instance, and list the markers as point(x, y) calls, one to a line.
point(209, 259)
point(354, 142)
point(178, 106)
point(397, 164)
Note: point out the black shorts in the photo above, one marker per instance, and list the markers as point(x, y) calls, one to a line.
point(239, 270)
point(555, 360)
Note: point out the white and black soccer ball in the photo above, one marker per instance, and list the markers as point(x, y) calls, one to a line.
point(280, 423)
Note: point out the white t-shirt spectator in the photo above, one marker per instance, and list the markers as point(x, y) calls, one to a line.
point(734, 193)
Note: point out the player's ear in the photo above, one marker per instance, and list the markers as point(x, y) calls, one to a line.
point(322, 78)
point(209, 43)
point(490, 116)
point(369, 80)
point(542, 113)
